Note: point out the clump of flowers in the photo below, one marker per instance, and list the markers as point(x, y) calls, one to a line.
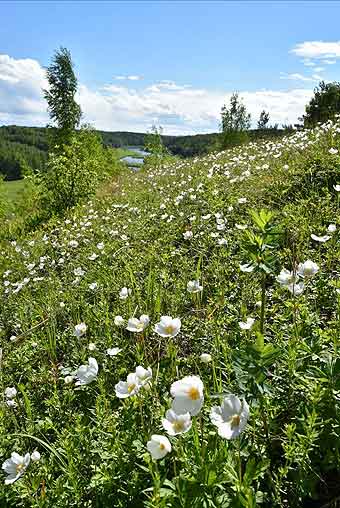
point(138, 325)
point(87, 373)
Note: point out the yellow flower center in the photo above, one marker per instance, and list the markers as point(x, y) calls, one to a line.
point(169, 329)
point(161, 446)
point(193, 393)
point(178, 426)
point(19, 467)
point(131, 387)
point(235, 421)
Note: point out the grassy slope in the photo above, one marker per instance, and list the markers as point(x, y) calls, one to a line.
point(93, 444)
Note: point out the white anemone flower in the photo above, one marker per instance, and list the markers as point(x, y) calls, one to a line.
point(307, 269)
point(113, 351)
point(320, 239)
point(187, 395)
point(194, 286)
point(143, 375)
point(296, 288)
point(138, 325)
point(87, 373)
point(205, 358)
point(286, 277)
point(247, 325)
point(80, 330)
point(175, 424)
point(124, 293)
point(168, 327)
point(231, 417)
point(331, 228)
point(35, 456)
point(15, 467)
point(187, 235)
point(247, 268)
point(336, 187)
point(129, 387)
point(119, 321)
point(10, 392)
point(158, 446)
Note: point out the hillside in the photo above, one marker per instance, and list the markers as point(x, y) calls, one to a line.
point(185, 241)
point(20, 146)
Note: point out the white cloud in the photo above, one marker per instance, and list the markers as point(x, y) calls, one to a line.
point(129, 78)
point(295, 76)
point(317, 49)
point(328, 62)
point(180, 109)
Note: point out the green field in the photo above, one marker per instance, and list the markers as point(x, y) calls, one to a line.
point(209, 286)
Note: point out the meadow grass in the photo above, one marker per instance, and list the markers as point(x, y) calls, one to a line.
point(231, 221)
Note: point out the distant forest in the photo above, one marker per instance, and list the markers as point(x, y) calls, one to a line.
point(26, 147)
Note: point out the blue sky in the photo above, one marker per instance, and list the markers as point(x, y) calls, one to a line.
point(180, 60)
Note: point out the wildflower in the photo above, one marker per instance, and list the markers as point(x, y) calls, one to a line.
point(241, 201)
point(231, 417)
point(331, 228)
point(336, 187)
point(15, 467)
point(188, 395)
point(175, 424)
point(321, 239)
point(119, 321)
point(10, 392)
point(168, 327)
point(113, 351)
point(333, 151)
point(205, 358)
point(285, 277)
point(35, 456)
point(187, 235)
point(143, 375)
point(78, 272)
point(80, 330)
point(158, 446)
point(92, 257)
point(61, 305)
point(87, 373)
point(92, 346)
point(296, 288)
point(68, 380)
point(193, 286)
point(247, 268)
point(128, 388)
point(100, 246)
point(93, 286)
point(247, 325)
point(307, 269)
point(138, 325)
point(124, 293)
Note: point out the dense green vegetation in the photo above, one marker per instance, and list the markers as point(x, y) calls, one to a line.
point(243, 247)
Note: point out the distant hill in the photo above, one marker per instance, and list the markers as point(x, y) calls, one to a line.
point(22, 146)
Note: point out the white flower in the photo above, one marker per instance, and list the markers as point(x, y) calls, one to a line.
point(78, 272)
point(127, 388)
point(93, 256)
point(143, 375)
point(61, 305)
point(285, 277)
point(331, 228)
point(68, 380)
point(175, 424)
point(321, 239)
point(168, 327)
point(242, 200)
point(158, 446)
point(241, 227)
point(100, 246)
point(11, 403)
point(87, 373)
point(187, 235)
point(231, 417)
point(124, 293)
point(307, 269)
point(205, 358)
point(247, 268)
point(188, 395)
point(336, 187)
point(138, 325)
point(92, 346)
point(80, 330)
point(10, 392)
point(333, 151)
point(93, 286)
point(193, 286)
point(119, 321)
point(73, 243)
point(296, 288)
point(113, 351)
point(35, 456)
point(15, 467)
point(247, 325)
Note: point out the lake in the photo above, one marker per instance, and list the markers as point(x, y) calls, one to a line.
point(135, 163)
